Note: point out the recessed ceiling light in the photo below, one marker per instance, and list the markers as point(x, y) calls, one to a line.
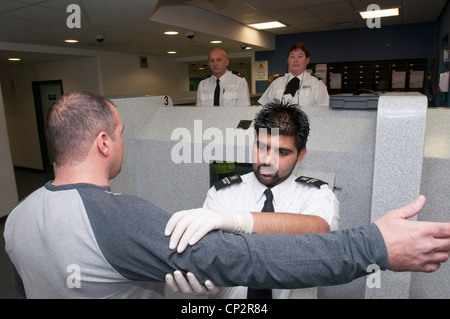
point(379, 13)
point(215, 41)
point(267, 25)
point(171, 32)
point(13, 59)
point(71, 41)
point(171, 52)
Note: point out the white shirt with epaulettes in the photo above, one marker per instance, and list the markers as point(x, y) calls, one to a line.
point(295, 195)
point(312, 91)
point(233, 90)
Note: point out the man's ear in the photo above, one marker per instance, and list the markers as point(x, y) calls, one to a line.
point(301, 155)
point(103, 143)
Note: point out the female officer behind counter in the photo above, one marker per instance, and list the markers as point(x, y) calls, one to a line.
point(297, 86)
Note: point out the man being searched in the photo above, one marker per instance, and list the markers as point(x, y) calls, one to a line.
point(75, 238)
point(222, 87)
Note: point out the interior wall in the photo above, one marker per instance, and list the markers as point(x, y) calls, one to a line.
point(389, 42)
point(107, 74)
point(76, 74)
point(122, 75)
point(8, 192)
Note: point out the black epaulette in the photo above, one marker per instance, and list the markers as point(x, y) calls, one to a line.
point(317, 77)
point(206, 77)
point(310, 181)
point(238, 74)
point(227, 181)
point(280, 76)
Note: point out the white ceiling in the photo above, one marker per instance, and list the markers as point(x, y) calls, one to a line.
point(126, 25)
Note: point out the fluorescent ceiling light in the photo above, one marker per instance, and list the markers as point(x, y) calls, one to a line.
point(379, 13)
point(71, 41)
point(215, 41)
point(171, 52)
point(14, 59)
point(267, 25)
point(171, 32)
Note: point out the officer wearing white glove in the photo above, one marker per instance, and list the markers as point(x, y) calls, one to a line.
point(192, 225)
point(179, 284)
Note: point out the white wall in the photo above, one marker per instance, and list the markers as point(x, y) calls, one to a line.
point(122, 75)
point(8, 190)
point(105, 73)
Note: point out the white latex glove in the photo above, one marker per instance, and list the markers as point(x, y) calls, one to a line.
point(187, 227)
point(191, 286)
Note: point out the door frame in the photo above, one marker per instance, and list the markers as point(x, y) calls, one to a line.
point(36, 85)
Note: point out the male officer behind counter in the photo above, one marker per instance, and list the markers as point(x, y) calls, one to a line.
point(298, 86)
point(312, 206)
point(116, 242)
point(223, 87)
point(313, 201)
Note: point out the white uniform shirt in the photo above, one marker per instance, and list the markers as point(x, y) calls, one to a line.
point(233, 90)
point(312, 91)
point(288, 197)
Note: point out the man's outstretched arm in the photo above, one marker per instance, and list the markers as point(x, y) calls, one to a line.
point(392, 242)
point(414, 245)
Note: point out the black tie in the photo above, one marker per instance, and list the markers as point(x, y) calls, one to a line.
point(292, 86)
point(263, 293)
point(217, 93)
point(268, 205)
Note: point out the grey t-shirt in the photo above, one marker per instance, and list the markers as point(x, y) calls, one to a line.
point(83, 241)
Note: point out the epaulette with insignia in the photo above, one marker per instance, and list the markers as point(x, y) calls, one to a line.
point(310, 181)
point(279, 76)
point(227, 181)
point(317, 77)
point(238, 74)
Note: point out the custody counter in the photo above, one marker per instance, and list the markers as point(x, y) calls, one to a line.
point(375, 159)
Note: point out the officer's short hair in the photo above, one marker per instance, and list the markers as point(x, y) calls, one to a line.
point(74, 121)
point(299, 46)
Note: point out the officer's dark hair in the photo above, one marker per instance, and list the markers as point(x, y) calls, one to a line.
point(299, 46)
point(289, 119)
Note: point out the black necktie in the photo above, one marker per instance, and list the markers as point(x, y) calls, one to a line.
point(217, 93)
point(292, 86)
point(268, 205)
point(263, 293)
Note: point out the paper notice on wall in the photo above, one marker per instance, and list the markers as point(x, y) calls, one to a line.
point(335, 81)
point(416, 79)
point(398, 80)
point(261, 70)
point(443, 81)
point(321, 72)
